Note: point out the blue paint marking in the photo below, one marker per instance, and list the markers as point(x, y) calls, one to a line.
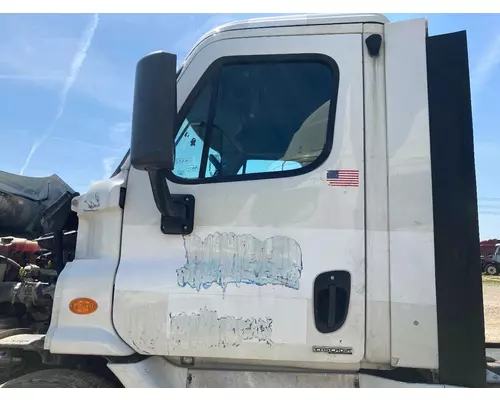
point(224, 259)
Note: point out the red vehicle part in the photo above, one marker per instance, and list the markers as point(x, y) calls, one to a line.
point(18, 249)
point(488, 247)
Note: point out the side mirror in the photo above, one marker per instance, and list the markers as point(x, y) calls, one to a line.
point(152, 147)
point(155, 111)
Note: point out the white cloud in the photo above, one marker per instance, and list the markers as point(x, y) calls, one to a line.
point(38, 52)
point(119, 138)
point(486, 65)
point(81, 143)
point(110, 164)
point(119, 135)
point(31, 78)
point(78, 59)
point(37, 49)
point(30, 51)
point(76, 64)
point(108, 83)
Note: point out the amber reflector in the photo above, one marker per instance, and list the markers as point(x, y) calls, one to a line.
point(82, 306)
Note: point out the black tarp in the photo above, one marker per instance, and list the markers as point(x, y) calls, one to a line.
point(23, 199)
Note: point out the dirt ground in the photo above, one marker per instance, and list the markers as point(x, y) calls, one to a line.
point(491, 301)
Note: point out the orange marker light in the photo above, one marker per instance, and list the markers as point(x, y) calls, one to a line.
point(82, 306)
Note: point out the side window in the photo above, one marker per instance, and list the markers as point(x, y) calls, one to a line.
point(258, 117)
point(190, 147)
point(189, 143)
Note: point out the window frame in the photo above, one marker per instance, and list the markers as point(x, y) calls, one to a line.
point(212, 77)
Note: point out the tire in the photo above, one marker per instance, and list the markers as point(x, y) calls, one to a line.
point(58, 378)
point(492, 269)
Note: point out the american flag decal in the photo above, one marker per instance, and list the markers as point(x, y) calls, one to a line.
point(343, 177)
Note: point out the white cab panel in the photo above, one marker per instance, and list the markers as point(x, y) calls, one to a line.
point(378, 312)
point(413, 291)
point(91, 274)
point(323, 224)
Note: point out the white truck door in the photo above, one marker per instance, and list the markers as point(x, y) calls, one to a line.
point(270, 145)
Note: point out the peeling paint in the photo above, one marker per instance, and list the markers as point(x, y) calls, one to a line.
point(92, 202)
point(205, 327)
point(145, 324)
point(227, 258)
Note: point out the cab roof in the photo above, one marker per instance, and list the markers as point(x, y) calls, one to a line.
point(292, 21)
point(300, 20)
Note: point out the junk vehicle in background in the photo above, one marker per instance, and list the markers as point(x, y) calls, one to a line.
point(488, 247)
point(491, 263)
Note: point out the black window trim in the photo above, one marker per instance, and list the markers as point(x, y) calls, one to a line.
point(211, 76)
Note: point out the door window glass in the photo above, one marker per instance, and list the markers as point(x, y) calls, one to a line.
point(267, 118)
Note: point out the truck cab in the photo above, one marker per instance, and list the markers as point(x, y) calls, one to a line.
point(283, 215)
point(496, 255)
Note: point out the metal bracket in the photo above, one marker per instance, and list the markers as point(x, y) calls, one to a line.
point(183, 222)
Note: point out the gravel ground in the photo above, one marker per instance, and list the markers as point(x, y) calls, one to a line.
point(491, 301)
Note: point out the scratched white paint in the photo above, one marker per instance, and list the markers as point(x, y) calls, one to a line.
point(207, 328)
point(327, 222)
point(225, 258)
point(91, 202)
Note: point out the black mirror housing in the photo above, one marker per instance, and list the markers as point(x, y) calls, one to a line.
point(153, 138)
point(154, 113)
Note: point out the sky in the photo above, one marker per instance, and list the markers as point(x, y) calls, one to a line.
point(66, 90)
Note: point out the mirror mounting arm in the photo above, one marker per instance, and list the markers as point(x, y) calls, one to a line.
point(177, 210)
point(161, 194)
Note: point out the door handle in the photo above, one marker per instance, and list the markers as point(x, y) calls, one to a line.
point(332, 297)
point(332, 291)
